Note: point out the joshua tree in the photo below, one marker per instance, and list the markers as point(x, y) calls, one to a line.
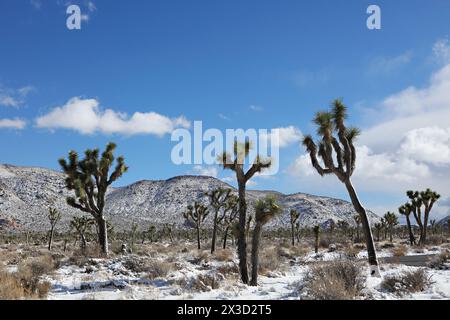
point(90, 179)
point(384, 228)
point(426, 199)
point(265, 209)
point(378, 228)
point(133, 232)
point(343, 226)
point(297, 231)
point(345, 154)
point(357, 219)
point(81, 225)
point(167, 230)
point(218, 199)
point(247, 227)
point(406, 210)
point(391, 221)
point(316, 231)
point(294, 217)
point(331, 228)
point(196, 214)
point(230, 213)
point(236, 164)
point(53, 216)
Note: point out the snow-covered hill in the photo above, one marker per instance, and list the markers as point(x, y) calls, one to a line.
point(26, 194)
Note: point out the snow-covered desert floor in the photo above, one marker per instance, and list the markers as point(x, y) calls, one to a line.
point(168, 271)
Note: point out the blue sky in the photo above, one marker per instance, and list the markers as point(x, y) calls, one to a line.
point(231, 64)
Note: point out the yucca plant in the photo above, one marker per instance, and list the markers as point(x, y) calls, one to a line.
point(406, 211)
point(265, 210)
point(217, 199)
point(90, 179)
point(338, 154)
point(294, 215)
point(196, 214)
point(391, 221)
point(236, 163)
point(53, 216)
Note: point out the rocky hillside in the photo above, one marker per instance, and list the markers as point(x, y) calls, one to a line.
point(26, 193)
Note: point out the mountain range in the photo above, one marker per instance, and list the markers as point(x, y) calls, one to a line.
point(26, 193)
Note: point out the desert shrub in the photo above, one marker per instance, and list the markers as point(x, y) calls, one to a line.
point(324, 242)
point(435, 239)
point(228, 270)
point(199, 257)
point(223, 255)
point(337, 280)
point(441, 262)
point(351, 252)
point(10, 287)
point(406, 282)
point(29, 274)
point(269, 260)
point(202, 282)
point(399, 251)
point(158, 269)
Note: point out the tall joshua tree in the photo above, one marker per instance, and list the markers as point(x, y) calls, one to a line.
point(236, 164)
point(81, 225)
point(425, 199)
point(265, 209)
point(230, 213)
point(218, 199)
point(90, 179)
point(406, 211)
point(294, 217)
point(53, 216)
point(343, 150)
point(316, 231)
point(197, 214)
point(391, 221)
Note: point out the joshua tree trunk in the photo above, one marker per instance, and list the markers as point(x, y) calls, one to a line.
point(241, 241)
point(198, 238)
point(372, 256)
point(225, 236)
point(390, 234)
point(293, 234)
point(255, 253)
point(316, 241)
point(103, 235)
point(412, 239)
point(50, 238)
point(213, 242)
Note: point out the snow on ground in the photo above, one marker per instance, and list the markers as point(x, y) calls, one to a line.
point(110, 279)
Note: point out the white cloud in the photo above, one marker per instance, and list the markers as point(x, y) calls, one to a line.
point(91, 6)
point(224, 117)
point(14, 97)
point(36, 4)
point(387, 65)
point(410, 109)
point(85, 116)
point(429, 144)
point(12, 124)
point(255, 108)
point(206, 171)
point(286, 136)
point(441, 51)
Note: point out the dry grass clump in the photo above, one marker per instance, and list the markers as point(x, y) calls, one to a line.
point(26, 283)
point(202, 283)
point(269, 260)
point(399, 251)
point(153, 269)
point(441, 262)
point(223, 255)
point(337, 280)
point(407, 282)
point(200, 257)
point(436, 240)
point(351, 252)
point(10, 287)
point(228, 270)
